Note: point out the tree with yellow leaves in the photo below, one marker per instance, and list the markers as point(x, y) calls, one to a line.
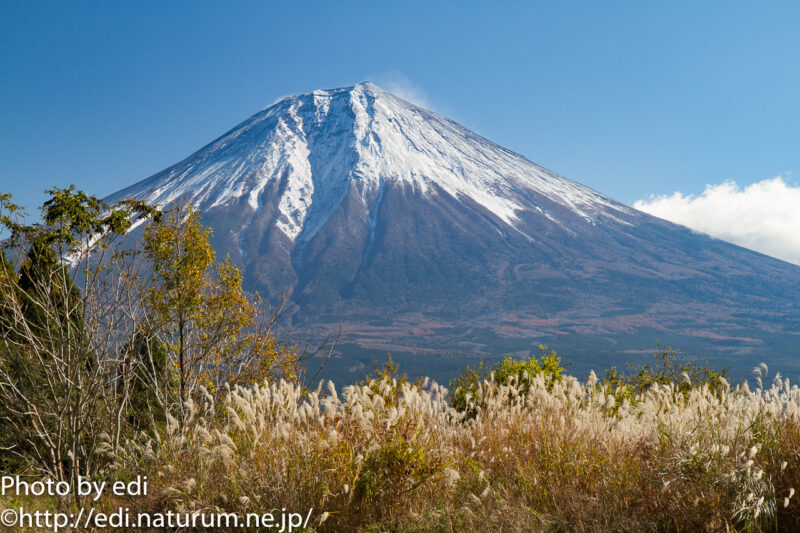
point(214, 332)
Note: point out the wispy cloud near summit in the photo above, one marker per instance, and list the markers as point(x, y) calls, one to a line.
point(764, 216)
point(400, 85)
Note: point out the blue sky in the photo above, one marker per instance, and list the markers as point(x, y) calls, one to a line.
point(631, 98)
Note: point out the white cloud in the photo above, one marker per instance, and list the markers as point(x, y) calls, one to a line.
point(764, 216)
point(398, 84)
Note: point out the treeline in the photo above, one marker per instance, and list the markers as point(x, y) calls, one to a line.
point(101, 341)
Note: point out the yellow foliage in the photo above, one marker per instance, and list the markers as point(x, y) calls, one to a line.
point(214, 331)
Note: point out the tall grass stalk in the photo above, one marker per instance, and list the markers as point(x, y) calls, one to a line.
point(559, 455)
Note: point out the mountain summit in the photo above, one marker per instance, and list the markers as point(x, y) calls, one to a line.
point(415, 233)
point(319, 145)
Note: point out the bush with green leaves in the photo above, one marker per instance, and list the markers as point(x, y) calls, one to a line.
point(666, 368)
point(509, 371)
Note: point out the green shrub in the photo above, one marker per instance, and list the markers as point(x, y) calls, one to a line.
point(666, 368)
point(508, 371)
point(389, 372)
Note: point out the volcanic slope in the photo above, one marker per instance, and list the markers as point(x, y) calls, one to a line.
point(417, 235)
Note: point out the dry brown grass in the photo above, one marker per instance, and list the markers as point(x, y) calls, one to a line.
point(389, 456)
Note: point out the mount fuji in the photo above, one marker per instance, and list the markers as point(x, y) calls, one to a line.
point(416, 235)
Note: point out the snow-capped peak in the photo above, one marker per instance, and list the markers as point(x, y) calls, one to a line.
point(318, 145)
